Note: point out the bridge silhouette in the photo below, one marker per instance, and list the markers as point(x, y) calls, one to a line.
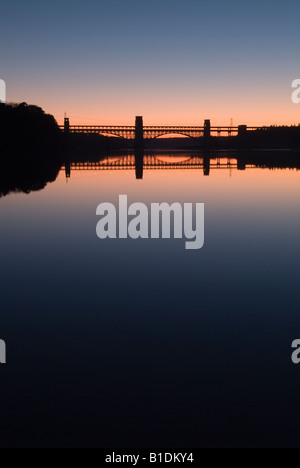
point(139, 132)
point(139, 162)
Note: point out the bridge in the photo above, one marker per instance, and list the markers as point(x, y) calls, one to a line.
point(139, 162)
point(139, 132)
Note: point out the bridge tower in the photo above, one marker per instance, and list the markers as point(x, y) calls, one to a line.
point(206, 131)
point(139, 133)
point(67, 126)
point(242, 130)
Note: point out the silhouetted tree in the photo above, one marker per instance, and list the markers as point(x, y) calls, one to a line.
point(27, 128)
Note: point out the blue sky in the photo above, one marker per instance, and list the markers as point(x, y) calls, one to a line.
point(169, 61)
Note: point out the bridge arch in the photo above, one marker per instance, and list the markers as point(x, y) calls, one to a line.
point(172, 133)
point(175, 160)
point(110, 133)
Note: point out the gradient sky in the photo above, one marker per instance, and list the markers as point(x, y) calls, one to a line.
point(174, 62)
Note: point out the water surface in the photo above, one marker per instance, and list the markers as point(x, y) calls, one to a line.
point(141, 343)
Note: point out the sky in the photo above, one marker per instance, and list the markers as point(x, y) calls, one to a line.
point(174, 62)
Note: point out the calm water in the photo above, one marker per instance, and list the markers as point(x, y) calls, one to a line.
point(124, 343)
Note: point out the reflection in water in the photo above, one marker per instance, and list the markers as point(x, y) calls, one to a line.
point(140, 343)
point(34, 175)
point(139, 164)
point(27, 176)
point(205, 161)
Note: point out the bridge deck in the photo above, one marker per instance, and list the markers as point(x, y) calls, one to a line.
point(151, 132)
point(129, 162)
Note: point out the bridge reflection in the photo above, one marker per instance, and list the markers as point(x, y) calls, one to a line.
point(140, 161)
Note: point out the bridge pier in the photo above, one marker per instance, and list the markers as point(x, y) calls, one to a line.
point(206, 162)
point(68, 169)
point(242, 136)
point(139, 163)
point(207, 132)
point(139, 133)
point(241, 164)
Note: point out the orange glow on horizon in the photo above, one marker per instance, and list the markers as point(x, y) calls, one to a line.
point(256, 110)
